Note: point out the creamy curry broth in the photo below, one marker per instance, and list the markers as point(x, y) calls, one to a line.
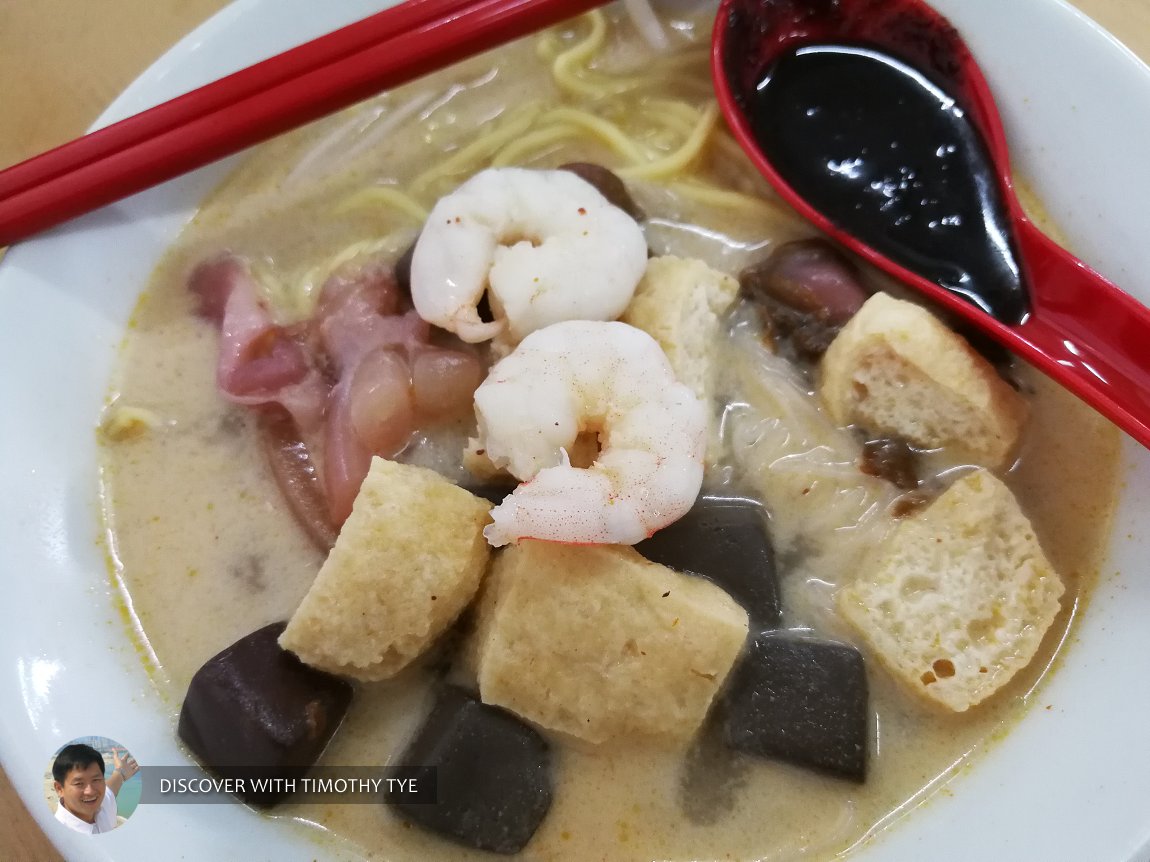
point(209, 552)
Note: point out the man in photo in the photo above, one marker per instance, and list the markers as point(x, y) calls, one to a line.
point(87, 800)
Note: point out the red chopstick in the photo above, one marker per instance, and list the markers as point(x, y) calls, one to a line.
point(250, 106)
point(211, 97)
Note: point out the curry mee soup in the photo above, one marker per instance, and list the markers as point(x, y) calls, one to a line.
point(221, 504)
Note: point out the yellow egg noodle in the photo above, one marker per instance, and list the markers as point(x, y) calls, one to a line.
point(676, 143)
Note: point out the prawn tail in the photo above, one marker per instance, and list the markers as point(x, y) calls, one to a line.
point(504, 528)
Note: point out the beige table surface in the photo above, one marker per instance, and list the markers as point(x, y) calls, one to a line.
point(63, 61)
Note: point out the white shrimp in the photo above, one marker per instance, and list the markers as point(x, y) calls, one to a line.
point(608, 378)
point(546, 245)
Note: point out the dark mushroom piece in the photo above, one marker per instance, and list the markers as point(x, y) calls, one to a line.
point(608, 184)
point(893, 459)
point(806, 290)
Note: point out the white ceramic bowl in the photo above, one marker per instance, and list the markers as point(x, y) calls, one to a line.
point(1069, 784)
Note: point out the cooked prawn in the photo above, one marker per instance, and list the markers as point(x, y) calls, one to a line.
point(545, 245)
point(590, 376)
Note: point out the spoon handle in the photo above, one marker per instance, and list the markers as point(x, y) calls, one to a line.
point(1086, 333)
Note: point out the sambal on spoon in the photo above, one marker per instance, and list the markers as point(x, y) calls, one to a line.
point(872, 119)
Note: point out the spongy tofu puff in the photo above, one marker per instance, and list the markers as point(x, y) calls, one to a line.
point(407, 562)
point(597, 643)
point(679, 302)
point(958, 598)
point(896, 369)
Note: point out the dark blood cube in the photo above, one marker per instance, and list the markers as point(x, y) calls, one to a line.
point(255, 710)
point(801, 700)
point(725, 540)
point(493, 775)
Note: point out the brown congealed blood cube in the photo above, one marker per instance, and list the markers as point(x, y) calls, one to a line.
point(493, 775)
point(255, 709)
point(725, 539)
point(802, 700)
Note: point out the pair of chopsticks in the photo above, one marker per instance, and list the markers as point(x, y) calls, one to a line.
point(281, 93)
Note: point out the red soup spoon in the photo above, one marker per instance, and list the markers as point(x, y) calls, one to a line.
point(872, 119)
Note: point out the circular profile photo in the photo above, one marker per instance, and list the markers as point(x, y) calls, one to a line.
point(92, 785)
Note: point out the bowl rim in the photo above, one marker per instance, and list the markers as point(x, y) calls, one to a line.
point(60, 515)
